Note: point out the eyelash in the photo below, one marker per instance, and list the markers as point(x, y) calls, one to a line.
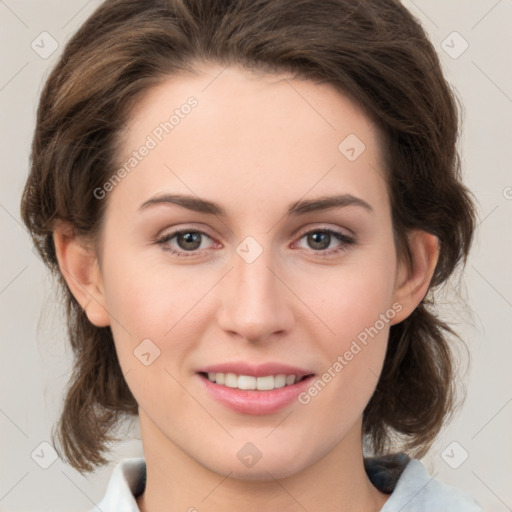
point(345, 240)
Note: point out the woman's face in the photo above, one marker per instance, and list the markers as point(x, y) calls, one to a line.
point(252, 237)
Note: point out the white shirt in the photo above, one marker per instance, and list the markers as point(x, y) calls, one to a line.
point(414, 491)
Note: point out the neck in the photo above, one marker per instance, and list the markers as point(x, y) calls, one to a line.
point(177, 482)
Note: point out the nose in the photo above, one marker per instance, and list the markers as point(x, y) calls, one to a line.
point(255, 303)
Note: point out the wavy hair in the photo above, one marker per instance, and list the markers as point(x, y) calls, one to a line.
point(373, 51)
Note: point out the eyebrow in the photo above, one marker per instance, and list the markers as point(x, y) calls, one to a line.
point(297, 208)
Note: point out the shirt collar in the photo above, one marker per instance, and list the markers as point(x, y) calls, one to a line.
point(127, 482)
point(413, 489)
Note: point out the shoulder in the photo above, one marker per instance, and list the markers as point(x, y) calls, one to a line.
point(415, 490)
point(126, 483)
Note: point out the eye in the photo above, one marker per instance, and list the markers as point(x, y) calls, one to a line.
point(187, 241)
point(320, 240)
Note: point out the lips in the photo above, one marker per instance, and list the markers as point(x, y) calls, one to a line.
point(254, 389)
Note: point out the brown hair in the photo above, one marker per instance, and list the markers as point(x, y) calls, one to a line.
point(374, 51)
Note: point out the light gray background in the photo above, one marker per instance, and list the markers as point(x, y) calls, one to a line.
point(35, 360)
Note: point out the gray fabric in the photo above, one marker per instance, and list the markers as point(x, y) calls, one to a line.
point(417, 491)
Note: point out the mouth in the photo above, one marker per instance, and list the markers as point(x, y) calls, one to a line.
point(251, 382)
point(264, 389)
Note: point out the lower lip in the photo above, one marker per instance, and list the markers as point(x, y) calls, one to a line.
point(255, 402)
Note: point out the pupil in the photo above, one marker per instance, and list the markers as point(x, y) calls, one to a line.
point(190, 240)
point(319, 240)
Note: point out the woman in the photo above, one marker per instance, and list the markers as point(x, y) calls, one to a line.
point(249, 206)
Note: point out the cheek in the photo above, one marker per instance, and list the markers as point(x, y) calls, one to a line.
point(155, 323)
point(149, 298)
point(356, 304)
point(352, 298)
point(168, 306)
point(352, 359)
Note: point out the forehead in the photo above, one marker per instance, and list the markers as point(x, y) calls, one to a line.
point(235, 136)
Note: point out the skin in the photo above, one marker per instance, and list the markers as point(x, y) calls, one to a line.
point(254, 144)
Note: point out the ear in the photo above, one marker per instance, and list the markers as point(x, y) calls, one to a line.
point(79, 266)
point(413, 280)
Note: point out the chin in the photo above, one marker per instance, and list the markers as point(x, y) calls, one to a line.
point(269, 468)
point(261, 473)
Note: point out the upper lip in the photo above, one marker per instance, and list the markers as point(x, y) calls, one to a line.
point(256, 370)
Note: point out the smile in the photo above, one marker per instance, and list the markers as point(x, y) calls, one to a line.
point(250, 382)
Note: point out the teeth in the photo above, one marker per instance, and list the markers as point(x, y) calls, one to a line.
point(231, 380)
point(266, 383)
point(280, 381)
point(246, 382)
